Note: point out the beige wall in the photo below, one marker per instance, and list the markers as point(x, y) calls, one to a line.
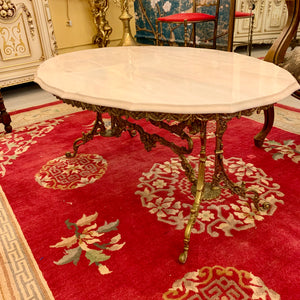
point(80, 34)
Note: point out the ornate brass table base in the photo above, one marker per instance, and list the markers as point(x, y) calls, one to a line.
point(180, 126)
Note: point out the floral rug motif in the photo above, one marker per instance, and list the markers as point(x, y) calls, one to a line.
point(164, 183)
point(65, 173)
point(220, 283)
point(89, 239)
point(279, 150)
point(21, 139)
point(116, 230)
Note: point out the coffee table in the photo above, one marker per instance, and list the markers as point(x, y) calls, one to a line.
point(187, 86)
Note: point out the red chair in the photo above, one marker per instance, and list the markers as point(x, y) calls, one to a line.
point(192, 18)
point(247, 15)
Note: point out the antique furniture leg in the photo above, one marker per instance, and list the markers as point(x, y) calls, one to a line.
point(98, 128)
point(276, 55)
point(268, 124)
point(4, 116)
point(206, 190)
point(198, 196)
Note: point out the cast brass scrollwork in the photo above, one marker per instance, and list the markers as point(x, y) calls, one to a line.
point(184, 127)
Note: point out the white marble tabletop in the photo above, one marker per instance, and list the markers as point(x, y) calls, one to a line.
point(166, 79)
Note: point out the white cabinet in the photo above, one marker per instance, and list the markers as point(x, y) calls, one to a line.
point(26, 39)
point(270, 18)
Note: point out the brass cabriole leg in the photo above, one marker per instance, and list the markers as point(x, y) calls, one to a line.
point(220, 173)
point(211, 190)
point(199, 194)
point(99, 124)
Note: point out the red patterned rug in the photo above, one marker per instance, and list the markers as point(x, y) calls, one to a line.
point(109, 223)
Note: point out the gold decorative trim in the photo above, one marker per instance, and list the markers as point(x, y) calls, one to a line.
point(7, 9)
point(156, 116)
point(14, 40)
point(15, 81)
point(29, 18)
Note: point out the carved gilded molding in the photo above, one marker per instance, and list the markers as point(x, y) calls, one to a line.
point(17, 81)
point(14, 40)
point(158, 117)
point(7, 9)
point(29, 18)
point(50, 26)
point(26, 39)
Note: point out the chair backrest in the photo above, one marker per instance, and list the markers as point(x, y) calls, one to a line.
point(278, 49)
point(205, 3)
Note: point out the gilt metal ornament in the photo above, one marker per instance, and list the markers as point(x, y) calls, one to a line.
point(183, 126)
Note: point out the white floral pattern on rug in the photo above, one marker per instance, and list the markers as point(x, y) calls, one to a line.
point(90, 240)
point(161, 188)
point(280, 151)
point(14, 144)
point(64, 173)
point(220, 283)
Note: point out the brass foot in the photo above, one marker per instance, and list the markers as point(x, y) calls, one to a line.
point(70, 154)
point(266, 206)
point(183, 257)
point(210, 192)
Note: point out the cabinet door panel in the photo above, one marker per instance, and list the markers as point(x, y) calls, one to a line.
point(270, 18)
point(26, 39)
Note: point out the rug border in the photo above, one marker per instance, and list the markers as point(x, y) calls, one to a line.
point(9, 287)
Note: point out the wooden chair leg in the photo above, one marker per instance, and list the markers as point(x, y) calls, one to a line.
point(156, 33)
point(250, 37)
point(269, 121)
point(215, 35)
point(186, 36)
point(4, 116)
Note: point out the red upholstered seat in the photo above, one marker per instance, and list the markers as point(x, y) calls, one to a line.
point(240, 14)
point(190, 17)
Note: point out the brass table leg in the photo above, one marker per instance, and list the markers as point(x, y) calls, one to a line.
point(4, 116)
point(98, 128)
point(199, 194)
point(211, 190)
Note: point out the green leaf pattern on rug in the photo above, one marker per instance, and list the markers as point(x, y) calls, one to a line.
point(287, 148)
point(86, 239)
